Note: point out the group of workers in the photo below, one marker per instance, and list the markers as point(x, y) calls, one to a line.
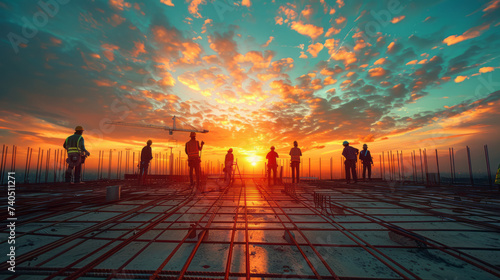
point(77, 154)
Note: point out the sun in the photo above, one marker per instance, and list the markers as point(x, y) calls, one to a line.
point(254, 163)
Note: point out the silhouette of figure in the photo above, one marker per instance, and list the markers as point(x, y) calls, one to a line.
point(366, 159)
point(295, 154)
point(193, 149)
point(77, 153)
point(272, 165)
point(146, 157)
point(228, 165)
point(351, 155)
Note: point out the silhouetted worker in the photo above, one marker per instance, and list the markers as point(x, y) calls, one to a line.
point(295, 154)
point(146, 157)
point(228, 165)
point(193, 149)
point(351, 156)
point(75, 146)
point(272, 165)
point(366, 159)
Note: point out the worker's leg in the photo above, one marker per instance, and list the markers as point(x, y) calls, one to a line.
point(268, 176)
point(191, 167)
point(139, 176)
point(369, 171)
point(145, 175)
point(78, 172)
point(297, 173)
point(293, 172)
point(275, 170)
point(67, 175)
point(198, 171)
point(364, 170)
point(347, 171)
point(354, 174)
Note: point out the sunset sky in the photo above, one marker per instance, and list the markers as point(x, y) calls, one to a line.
point(393, 74)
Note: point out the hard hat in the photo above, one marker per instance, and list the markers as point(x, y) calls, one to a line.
point(364, 145)
point(192, 134)
point(230, 150)
point(79, 128)
point(295, 143)
point(345, 143)
point(149, 142)
point(272, 148)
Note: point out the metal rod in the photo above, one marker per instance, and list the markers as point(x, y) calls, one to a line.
point(37, 162)
point(421, 165)
point(438, 172)
point(426, 167)
point(453, 157)
point(1, 165)
point(402, 166)
point(29, 164)
point(488, 169)
point(26, 164)
point(470, 166)
point(383, 166)
point(109, 167)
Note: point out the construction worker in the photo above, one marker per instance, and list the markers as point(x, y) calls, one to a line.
point(366, 159)
point(295, 154)
point(75, 146)
point(193, 149)
point(146, 157)
point(228, 165)
point(351, 157)
point(497, 177)
point(272, 165)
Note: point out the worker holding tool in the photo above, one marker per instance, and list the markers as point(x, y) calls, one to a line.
point(77, 153)
point(146, 157)
point(295, 154)
point(193, 150)
point(366, 159)
point(272, 165)
point(351, 157)
point(228, 165)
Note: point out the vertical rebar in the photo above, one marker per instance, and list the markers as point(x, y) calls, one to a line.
point(426, 167)
point(2, 165)
point(399, 166)
point(37, 161)
point(29, 164)
point(451, 166)
point(13, 161)
point(26, 164)
point(421, 165)
point(331, 168)
point(309, 168)
point(62, 159)
point(98, 165)
point(487, 158)
point(109, 167)
point(47, 166)
point(380, 165)
point(56, 158)
point(383, 166)
point(438, 172)
point(453, 158)
point(320, 168)
point(402, 167)
point(470, 166)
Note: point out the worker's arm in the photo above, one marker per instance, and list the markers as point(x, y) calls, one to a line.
point(300, 151)
point(202, 143)
point(150, 153)
point(64, 145)
point(82, 147)
point(186, 148)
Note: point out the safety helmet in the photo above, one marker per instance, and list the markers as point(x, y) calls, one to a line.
point(272, 148)
point(79, 128)
point(149, 142)
point(364, 145)
point(345, 143)
point(295, 143)
point(230, 150)
point(192, 134)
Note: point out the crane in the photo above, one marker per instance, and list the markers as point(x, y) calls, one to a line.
point(170, 129)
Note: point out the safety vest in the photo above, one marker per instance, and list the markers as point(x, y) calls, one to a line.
point(192, 148)
point(497, 178)
point(71, 146)
point(295, 154)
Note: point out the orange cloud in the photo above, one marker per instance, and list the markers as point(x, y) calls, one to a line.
point(278, 20)
point(193, 7)
point(116, 20)
point(303, 55)
point(246, 3)
point(460, 79)
point(380, 61)
point(268, 42)
point(307, 29)
point(307, 12)
point(332, 31)
point(204, 27)
point(340, 20)
point(104, 83)
point(344, 55)
point(314, 49)
point(139, 48)
point(390, 47)
point(486, 69)
point(469, 34)
point(329, 81)
point(119, 4)
point(167, 2)
point(492, 5)
point(412, 62)
point(108, 51)
point(397, 19)
point(187, 78)
point(377, 72)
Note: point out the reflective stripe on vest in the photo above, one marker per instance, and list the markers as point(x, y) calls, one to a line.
point(295, 154)
point(192, 149)
point(74, 149)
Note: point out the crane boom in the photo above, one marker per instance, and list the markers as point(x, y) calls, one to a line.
point(163, 127)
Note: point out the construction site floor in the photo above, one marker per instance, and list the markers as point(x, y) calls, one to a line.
point(315, 230)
